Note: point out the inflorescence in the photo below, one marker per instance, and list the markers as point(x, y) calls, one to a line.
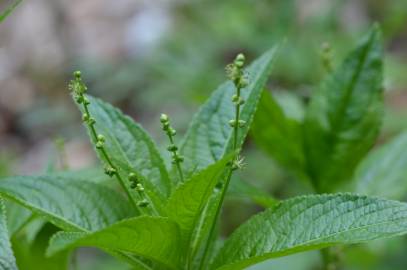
point(78, 89)
point(177, 159)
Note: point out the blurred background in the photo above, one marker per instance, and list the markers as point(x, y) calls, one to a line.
point(149, 57)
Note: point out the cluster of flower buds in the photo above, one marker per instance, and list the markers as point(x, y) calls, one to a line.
point(236, 73)
point(327, 56)
point(136, 185)
point(171, 132)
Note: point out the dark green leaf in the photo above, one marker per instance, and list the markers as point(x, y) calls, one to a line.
point(70, 205)
point(384, 171)
point(209, 136)
point(311, 222)
point(344, 115)
point(279, 136)
point(132, 150)
point(186, 204)
point(7, 260)
point(155, 238)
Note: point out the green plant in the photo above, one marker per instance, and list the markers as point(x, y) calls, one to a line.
point(168, 218)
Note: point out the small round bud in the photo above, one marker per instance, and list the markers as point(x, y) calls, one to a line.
point(232, 123)
point(99, 145)
point(241, 101)
point(139, 187)
point(110, 171)
point(142, 203)
point(79, 99)
point(101, 138)
point(172, 148)
point(86, 101)
point(91, 121)
point(235, 98)
point(164, 118)
point(172, 132)
point(239, 61)
point(166, 126)
point(85, 117)
point(77, 74)
point(243, 82)
point(133, 177)
point(242, 123)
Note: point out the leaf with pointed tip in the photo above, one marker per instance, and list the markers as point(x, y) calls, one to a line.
point(279, 136)
point(311, 222)
point(132, 150)
point(186, 204)
point(344, 115)
point(209, 136)
point(7, 260)
point(384, 171)
point(70, 205)
point(155, 238)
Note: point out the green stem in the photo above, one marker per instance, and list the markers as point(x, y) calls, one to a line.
point(226, 186)
point(107, 158)
point(177, 163)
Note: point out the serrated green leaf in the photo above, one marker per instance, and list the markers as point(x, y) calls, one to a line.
point(241, 189)
point(132, 150)
point(209, 136)
point(344, 115)
point(312, 222)
point(384, 171)
point(279, 136)
point(7, 260)
point(188, 201)
point(70, 205)
point(155, 238)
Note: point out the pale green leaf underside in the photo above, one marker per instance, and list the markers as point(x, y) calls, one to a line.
point(132, 150)
point(311, 222)
point(155, 238)
point(186, 204)
point(70, 205)
point(344, 115)
point(384, 171)
point(7, 260)
point(209, 136)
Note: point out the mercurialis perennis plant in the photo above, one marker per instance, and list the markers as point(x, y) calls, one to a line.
point(154, 215)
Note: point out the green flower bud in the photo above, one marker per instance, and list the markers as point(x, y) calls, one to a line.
point(101, 138)
point(164, 118)
point(242, 123)
point(172, 148)
point(241, 101)
point(86, 101)
point(77, 74)
point(172, 132)
point(139, 187)
point(110, 171)
point(166, 126)
point(133, 177)
point(99, 145)
point(91, 121)
point(143, 203)
point(79, 99)
point(85, 117)
point(232, 123)
point(235, 98)
point(243, 82)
